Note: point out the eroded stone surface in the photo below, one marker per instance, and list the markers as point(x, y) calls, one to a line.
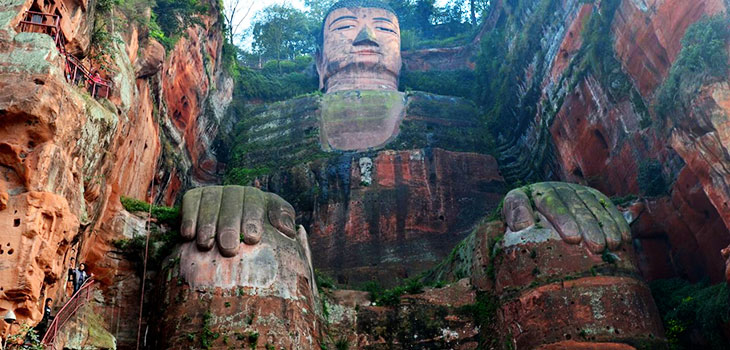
point(268, 282)
point(360, 120)
point(598, 309)
point(35, 238)
point(572, 276)
point(433, 319)
point(578, 214)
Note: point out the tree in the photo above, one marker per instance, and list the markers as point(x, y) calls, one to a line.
point(174, 16)
point(234, 13)
point(424, 10)
point(282, 32)
point(318, 8)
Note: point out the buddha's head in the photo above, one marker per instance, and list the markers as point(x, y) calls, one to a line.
point(359, 47)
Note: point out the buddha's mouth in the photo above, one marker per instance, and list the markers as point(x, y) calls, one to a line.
point(367, 53)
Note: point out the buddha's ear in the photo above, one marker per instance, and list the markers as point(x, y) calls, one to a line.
point(319, 63)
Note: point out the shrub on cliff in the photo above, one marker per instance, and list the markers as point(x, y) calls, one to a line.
point(164, 215)
point(703, 58)
point(460, 83)
point(253, 84)
point(694, 315)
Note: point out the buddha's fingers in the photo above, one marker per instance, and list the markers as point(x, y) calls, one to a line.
point(190, 207)
point(210, 203)
point(254, 214)
point(551, 205)
point(590, 229)
point(618, 218)
point(517, 210)
point(282, 215)
point(599, 208)
point(229, 220)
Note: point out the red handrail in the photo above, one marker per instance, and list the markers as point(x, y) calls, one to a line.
point(78, 300)
point(51, 29)
point(73, 69)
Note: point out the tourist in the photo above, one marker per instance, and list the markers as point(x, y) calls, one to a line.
point(47, 318)
point(80, 276)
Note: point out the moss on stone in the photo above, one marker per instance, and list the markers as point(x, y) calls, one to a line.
point(272, 137)
point(370, 104)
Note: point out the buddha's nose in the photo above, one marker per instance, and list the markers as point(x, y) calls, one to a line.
point(366, 37)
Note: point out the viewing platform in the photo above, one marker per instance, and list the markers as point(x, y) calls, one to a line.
point(76, 73)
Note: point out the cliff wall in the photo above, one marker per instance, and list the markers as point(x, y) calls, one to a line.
point(67, 158)
point(588, 92)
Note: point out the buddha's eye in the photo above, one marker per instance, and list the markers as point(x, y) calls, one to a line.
point(345, 27)
point(385, 29)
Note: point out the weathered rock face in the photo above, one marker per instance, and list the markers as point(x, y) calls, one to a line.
point(560, 238)
point(408, 205)
point(598, 128)
point(434, 319)
point(649, 33)
point(66, 158)
point(46, 155)
point(38, 230)
point(196, 92)
point(419, 203)
point(267, 289)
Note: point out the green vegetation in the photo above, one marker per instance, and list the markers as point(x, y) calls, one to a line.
point(173, 16)
point(102, 37)
point(484, 313)
point(207, 336)
point(165, 23)
point(323, 280)
point(163, 237)
point(694, 314)
point(28, 335)
point(651, 179)
point(597, 56)
point(269, 86)
point(624, 200)
point(253, 339)
point(342, 344)
point(244, 176)
point(391, 297)
point(282, 32)
point(703, 58)
point(499, 68)
point(461, 83)
point(163, 215)
point(608, 257)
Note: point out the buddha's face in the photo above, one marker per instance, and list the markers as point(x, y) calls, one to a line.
point(361, 50)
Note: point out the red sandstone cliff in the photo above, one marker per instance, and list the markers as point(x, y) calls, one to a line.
point(66, 158)
point(598, 134)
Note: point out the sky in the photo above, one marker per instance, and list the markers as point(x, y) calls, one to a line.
point(261, 4)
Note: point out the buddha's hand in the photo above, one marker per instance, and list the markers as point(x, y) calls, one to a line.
point(229, 215)
point(578, 213)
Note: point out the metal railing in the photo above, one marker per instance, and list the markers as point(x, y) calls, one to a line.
point(79, 299)
point(43, 23)
point(98, 86)
point(76, 73)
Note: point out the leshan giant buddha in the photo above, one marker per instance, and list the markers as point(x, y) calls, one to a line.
point(387, 183)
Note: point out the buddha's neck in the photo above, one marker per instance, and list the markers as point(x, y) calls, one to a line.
point(361, 80)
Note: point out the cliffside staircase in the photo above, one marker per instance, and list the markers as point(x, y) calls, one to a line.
point(79, 299)
point(76, 73)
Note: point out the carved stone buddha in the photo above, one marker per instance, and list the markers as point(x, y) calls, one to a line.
point(401, 178)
